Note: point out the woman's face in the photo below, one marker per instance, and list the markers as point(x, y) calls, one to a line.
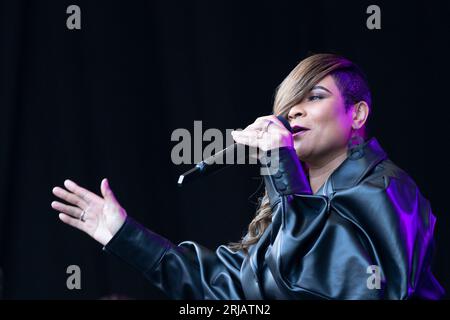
point(323, 113)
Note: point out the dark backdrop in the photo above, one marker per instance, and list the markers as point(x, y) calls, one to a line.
point(103, 101)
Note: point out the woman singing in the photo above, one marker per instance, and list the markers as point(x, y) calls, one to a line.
point(338, 219)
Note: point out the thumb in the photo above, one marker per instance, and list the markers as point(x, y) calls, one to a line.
point(106, 191)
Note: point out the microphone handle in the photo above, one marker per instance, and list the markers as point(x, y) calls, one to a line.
point(210, 165)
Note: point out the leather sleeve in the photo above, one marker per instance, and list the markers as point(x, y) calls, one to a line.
point(186, 271)
point(334, 247)
point(328, 247)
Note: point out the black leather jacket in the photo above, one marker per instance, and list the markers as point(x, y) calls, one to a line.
point(368, 222)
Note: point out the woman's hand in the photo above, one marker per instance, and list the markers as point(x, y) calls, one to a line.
point(265, 133)
point(102, 217)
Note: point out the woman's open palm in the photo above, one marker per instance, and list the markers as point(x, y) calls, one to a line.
point(102, 217)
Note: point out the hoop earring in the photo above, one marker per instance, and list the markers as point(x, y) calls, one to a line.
point(355, 147)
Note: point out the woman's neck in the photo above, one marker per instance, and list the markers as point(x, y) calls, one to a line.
point(320, 171)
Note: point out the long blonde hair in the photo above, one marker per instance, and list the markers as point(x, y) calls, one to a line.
point(353, 86)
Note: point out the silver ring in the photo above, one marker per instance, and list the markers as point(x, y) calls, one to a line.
point(82, 216)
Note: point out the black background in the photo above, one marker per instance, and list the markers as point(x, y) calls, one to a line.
point(103, 101)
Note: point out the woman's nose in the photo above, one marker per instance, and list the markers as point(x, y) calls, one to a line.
point(293, 115)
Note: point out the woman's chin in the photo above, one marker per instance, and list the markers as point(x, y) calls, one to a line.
point(302, 153)
point(299, 147)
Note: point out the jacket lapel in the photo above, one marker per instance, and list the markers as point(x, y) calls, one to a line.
point(352, 171)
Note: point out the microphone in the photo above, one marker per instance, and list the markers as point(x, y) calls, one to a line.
point(211, 165)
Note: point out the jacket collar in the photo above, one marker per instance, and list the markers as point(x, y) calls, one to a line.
point(353, 169)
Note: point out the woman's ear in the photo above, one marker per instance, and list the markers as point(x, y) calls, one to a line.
point(359, 114)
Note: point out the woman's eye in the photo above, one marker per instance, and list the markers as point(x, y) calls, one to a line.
point(312, 98)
